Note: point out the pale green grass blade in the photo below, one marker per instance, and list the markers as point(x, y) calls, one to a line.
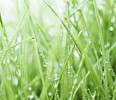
point(79, 6)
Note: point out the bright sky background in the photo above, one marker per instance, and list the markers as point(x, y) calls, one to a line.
point(10, 9)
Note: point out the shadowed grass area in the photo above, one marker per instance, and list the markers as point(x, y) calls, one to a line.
point(58, 52)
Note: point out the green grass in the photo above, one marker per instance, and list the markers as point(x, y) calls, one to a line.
point(53, 55)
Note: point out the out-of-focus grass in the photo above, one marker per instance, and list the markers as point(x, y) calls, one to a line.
point(58, 50)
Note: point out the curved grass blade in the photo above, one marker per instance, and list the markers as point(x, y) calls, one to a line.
point(78, 86)
point(3, 27)
point(79, 6)
point(72, 36)
point(23, 41)
point(80, 46)
point(15, 34)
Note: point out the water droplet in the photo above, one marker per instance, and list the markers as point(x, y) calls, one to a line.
point(107, 45)
point(18, 72)
point(106, 62)
point(44, 64)
point(68, 71)
point(75, 81)
point(103, 74)
point(101, 51)
point(72, 19)
point(76, 54)
point(111, 28)
point(30, 88)
point(49, 93)
point(30, 97)
point(113, 19)
point(17, 47)
point(15, 81)
point(5, 38)
point(49, 78)
point(14, 59)
point(56, 79)
point(55, 86)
